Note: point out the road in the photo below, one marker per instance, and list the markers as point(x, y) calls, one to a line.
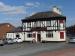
point(68, 50)
point(30, 49)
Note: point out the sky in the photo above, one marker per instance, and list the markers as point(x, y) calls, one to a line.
point(13, 11)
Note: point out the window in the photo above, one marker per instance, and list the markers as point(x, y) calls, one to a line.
point(38, 23)
point(48, 23)
point(54, 23)
point(29, 24)
point(24, 25)
point(17, 36)
point(49, 34)
point(61, 21)
point(29, 35)
point(32, 24)
point(43, 23)
point(35, 24)
point(61, 24)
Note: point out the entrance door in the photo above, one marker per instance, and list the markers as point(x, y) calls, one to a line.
point(61, 35)
point(39, 37)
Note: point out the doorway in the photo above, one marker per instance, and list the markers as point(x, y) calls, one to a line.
point(38, 37)
point(61, 35)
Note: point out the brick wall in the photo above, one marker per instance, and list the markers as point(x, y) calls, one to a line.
point(5, 28)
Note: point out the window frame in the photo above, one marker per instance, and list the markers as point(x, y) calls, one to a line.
point(49, 34)
point(29, 35)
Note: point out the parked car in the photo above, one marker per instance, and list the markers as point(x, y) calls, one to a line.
point(72, 39)
point(1, 42)
point(9, 40)
point(18, 40)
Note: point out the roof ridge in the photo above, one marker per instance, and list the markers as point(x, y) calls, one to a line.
point(46, 14)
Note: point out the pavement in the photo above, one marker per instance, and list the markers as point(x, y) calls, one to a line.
point(28, 49)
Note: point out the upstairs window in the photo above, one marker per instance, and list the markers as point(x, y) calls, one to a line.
point(62, 24)
point(24, 25)
point(43, 23)
point(35, 24)
point(61, 21)
point(29, 24)
point(48, 23)
point(38, 23)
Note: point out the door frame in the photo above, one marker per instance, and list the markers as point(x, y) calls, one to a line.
point(38, 37)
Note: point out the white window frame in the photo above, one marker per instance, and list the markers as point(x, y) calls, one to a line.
point(51, 34)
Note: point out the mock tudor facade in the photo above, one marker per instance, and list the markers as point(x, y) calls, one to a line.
point(44, 26)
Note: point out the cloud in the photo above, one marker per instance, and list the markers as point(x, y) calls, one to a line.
point(8, 9)
point(29, 4)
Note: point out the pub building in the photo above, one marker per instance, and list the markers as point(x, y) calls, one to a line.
point(45, 26)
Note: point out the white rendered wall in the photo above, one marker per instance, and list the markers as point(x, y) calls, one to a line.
point(26, 38)
point(10, 35)
point(56, 36)
point(13, 35)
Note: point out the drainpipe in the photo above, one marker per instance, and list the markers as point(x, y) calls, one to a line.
point(24, 36)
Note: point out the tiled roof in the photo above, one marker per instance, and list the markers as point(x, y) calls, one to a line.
point(47, 14)
point(17, 29)
point(2, 24)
